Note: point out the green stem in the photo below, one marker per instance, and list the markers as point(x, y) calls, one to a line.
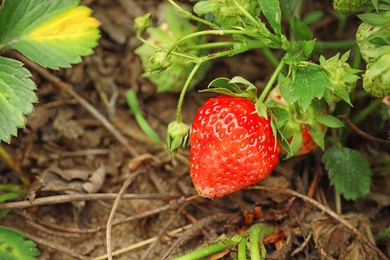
point(211, 45)
point(271, 81)
point(207, 32)
point(366, 111)
point(248, 15)
point(341, 45)
point(190, 57)
point(357, 59)
point(189, 15)
point(203, 252)
point(254, 237)
point(270, 56)
point(241, 250)
point(184, 90)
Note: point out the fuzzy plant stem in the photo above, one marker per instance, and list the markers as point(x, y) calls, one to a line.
point(184, 90)
point(241, 249)
point(271, 81)
point(208, 32)
point(341, 45)
point(254, 242)
point(203, 252)
point(189, 15)
point(248, 15)
point(190, 57)
point(366, 111)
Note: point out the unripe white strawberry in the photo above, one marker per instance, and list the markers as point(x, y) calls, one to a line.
point(365, 30)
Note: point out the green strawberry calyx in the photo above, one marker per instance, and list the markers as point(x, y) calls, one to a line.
point(159, 61)
point(177, 135)
point(291, 120)
point(341, 75)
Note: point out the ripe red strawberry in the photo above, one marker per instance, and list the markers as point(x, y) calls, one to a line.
point(232, 147)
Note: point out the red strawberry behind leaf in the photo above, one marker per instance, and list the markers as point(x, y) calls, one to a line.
point(232, 147)
point(303, 130)
point(308, 144)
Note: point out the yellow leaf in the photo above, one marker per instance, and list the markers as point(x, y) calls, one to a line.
point(71, 24)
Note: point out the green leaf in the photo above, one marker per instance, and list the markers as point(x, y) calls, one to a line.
point(132, 101)
point(297, 51)
point(349, 171)
point(317, 135)
point(14, 246)
point(300, 30)
point(296, 142)
point(380, 37)
point(176, 23)
point(226, 87)
point(204, 7)
point(281, 114)
point(329, 121)
point(375, 19)
point(16, 97)
point(52, 33)
point(312, 17)
point(309, 82)
point(272, 12)
point(249, 87)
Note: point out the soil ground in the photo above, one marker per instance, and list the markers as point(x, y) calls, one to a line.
point(66, 150)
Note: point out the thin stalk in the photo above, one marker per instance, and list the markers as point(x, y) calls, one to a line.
point(203, 252)
point(366, 111)
point(206, 32)
point(341, 45)
point(184, 90)
point(337, 199)
point(270, 56)
point(248, 15)
point(271, 81)
point(211, 45)
point(190, 57)
point(357, 59)
point(189, 15)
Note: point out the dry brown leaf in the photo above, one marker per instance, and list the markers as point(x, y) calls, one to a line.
point(335, 241)
point(96, 181)
point(66, 126)
point(136, 162)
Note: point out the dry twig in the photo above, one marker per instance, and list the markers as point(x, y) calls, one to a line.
point(113, 210)
point(362, 133)
point(58, 199)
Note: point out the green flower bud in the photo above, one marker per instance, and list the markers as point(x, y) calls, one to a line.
point(348, 5)
point(142, 23)
point(365, 30)
point(177, 134)
point(159, 61)
point(342, 76)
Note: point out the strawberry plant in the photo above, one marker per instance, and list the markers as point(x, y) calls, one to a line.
point(54, 34)
point(297, 105)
